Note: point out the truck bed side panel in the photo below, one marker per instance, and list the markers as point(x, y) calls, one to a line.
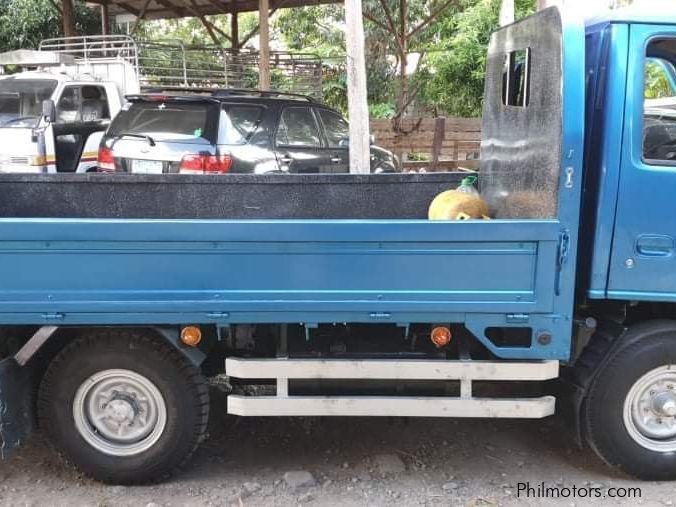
point(273, 268)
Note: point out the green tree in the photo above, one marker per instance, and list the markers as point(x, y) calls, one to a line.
point(192, 32)
point(453, 77)
point(24, 23)
point(657, 85)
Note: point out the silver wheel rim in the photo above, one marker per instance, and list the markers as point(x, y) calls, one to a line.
point(650, 410)
point(119, 412)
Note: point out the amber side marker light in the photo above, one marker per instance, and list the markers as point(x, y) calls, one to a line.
point(191, 336)
point(440, 336)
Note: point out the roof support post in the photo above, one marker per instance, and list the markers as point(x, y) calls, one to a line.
point(105, 20)
point(68, 18)
point(264, 37)
point(234, 30)
point(356, 88)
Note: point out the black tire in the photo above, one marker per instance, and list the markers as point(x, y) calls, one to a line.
point(182, 387)
point(644, 348)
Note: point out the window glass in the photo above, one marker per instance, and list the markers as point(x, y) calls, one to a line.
point(659, 112)
point(516, 78)
point(659, 75)
point(94, 103)
point(336, 128)
point(240, 123)
point(68, 107)
point(21, 101)
point(297, 127)
point(177, 121)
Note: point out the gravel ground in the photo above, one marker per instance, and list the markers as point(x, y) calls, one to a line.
point(346, 461)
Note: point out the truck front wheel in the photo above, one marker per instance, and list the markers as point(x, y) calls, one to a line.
point(630, 411)
point(123, 407)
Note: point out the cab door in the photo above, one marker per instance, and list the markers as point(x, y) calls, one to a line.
point(643, 258)
point(337, 133)
point(82, 115)
point(299, 146)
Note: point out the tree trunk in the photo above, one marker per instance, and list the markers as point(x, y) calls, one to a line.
point(68, 18)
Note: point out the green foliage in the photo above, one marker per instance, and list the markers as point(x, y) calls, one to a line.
point(24, 23)
point(319, 30)
point(657, 85)
point(384, 110)
point(191, 31)
point(334, 87)
point(453, 77)
point(316, 29)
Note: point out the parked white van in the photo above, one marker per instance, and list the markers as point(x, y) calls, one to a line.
point(54, 111)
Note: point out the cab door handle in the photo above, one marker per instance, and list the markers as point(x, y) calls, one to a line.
point(286, 160)
point(336, 160)
point(654, 245)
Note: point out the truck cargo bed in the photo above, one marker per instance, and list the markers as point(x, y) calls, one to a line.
point(150, 270)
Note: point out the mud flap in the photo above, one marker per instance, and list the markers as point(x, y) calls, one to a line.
point(16, 406)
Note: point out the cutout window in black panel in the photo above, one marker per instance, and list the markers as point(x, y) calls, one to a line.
point(516, 78)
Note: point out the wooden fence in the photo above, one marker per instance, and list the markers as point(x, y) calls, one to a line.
point(433, 143)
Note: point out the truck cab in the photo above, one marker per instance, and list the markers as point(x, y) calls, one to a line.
point(54, 112)
point(631, 156)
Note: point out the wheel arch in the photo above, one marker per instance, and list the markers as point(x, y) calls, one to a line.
point(38, 351)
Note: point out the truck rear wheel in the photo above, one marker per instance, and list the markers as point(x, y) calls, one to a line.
point(123, 407)
point(630, 411)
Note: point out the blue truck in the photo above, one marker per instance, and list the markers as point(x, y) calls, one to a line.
point(320, 295)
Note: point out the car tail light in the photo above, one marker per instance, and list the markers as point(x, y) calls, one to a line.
point(106, 160)
point(205, 164)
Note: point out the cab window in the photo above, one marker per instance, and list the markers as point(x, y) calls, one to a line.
point(82, 103)
point(659, 110)
point(298, 127)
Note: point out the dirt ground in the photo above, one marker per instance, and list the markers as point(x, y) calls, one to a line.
point(351, 461)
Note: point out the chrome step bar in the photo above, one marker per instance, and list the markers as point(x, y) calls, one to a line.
point(465, 405)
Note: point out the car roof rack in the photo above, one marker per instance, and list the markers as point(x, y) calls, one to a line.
point(176, 89)
point(227, 92)
point(218, 93)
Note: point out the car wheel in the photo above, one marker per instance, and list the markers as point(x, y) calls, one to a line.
point(124, 407)
point(629, 415)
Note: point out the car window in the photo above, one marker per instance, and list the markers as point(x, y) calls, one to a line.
point(82, 103)
point(336, 128)
point(176, 121)
point(659, 113)
point(94, 103)
point(68, 107)
point(297, 127)
point(240, 123)
point(21, 101)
